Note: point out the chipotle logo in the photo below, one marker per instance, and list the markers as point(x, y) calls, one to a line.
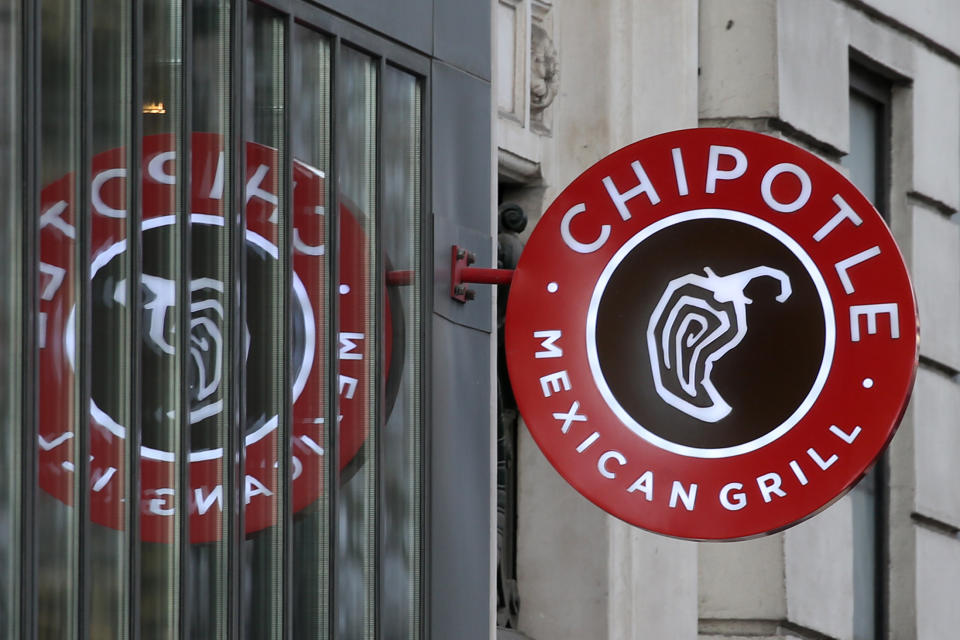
point(208, 315)
point(711, 334)
point(725, 315)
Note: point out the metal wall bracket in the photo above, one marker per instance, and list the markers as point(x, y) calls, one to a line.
point(461, 274)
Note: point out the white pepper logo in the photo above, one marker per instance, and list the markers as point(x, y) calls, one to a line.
point(697, 333)
point(205, 343)
point(206, 339)
point(708, 376)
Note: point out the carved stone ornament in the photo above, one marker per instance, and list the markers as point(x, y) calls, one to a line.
point(544, 70)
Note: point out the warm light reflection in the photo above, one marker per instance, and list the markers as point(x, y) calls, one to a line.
point(154, 107)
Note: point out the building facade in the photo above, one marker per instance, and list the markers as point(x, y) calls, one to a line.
point(871, 86)
point(328, 446)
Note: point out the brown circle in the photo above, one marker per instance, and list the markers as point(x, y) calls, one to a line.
point(764, 378)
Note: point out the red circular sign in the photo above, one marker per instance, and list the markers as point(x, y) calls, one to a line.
point(711, 334)
point(108, 243)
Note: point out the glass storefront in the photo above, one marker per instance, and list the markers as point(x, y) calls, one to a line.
point(215, 427)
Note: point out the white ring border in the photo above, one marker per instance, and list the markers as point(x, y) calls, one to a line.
point(830, 333)
point(300, 291)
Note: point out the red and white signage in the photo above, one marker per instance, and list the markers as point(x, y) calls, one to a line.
point(711, 334)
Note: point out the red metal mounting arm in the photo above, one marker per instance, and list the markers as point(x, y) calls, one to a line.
point(461, 273)
point(399, 278)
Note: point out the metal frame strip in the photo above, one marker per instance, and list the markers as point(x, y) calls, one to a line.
point(286, 264)
point(333, 354)
point(134, 294)
point(235, 459)
point(30, 86)
point(83, 223)
point(426, 351)
point(281, 6)
point(378, 320)
point(357, 37)
point(182, 448)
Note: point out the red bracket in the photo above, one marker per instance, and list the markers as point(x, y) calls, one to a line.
point(399, 278)
point(461, 274)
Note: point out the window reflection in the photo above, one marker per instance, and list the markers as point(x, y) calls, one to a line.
point(311, 430)
point(401, 439)
point(110, 364)
point(266, 305)
point(213, 332)
point(177, 280)
point(59, 412)
point(357, 172)
point(164, 216)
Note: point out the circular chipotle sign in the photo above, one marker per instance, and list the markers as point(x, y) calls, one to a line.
point(711, 334)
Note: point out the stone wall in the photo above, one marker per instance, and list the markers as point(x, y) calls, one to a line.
point(633, 69)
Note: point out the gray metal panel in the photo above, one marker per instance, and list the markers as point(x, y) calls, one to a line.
point(475, 313)
point(461, 148)
point(410, 21)
point(462, 35)
point(460, 484)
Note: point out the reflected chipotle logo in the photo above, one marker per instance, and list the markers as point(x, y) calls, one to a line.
point(711, 334)
point(208, 315)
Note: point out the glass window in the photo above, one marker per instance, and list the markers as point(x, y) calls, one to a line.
point(213, 335)
point(267, 304)
point(866, 147)
point(60, 321)
point(401, 440)
point(111, 385)
point(358, 356)
point(311, 430)
point(164, 237)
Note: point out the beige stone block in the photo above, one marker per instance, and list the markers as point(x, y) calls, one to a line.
point(653, 585)
point(755, 629)
point(936, 278)
point(742, 580)
point(562, 553)
point(938, 583)
point(937, 444)
point(813, 61)
point(889, 48)
point(581, 124)
point(902, 531)
point(819, 572)
point(653, 98)
point(936, 138)
point(936, 19)
point(738, 58)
